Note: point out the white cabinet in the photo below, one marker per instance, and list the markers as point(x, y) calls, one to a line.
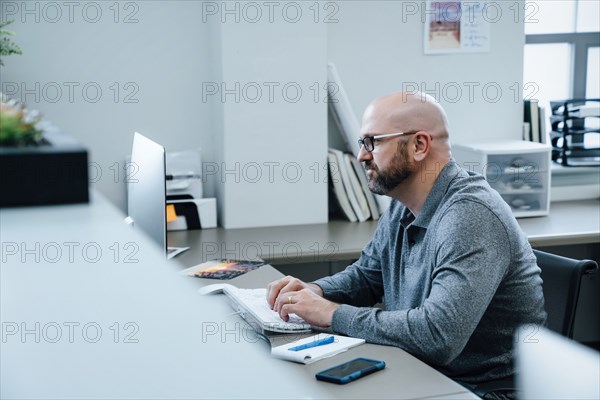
point(518, 170)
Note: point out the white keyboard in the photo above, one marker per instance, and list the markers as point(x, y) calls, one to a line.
point(254, 302)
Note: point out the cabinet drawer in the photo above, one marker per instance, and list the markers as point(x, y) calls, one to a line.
point(516, 164)
point(522, 183)
point(518, 170)
point(525, 203)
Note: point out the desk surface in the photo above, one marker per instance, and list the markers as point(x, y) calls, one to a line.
point(569, 222)
point(403, 377)
point(90, 309)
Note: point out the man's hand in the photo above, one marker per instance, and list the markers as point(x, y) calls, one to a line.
point(306, 304)
point(288, 284)
point(290, 295)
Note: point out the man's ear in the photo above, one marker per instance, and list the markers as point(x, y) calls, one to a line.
point(422, 145)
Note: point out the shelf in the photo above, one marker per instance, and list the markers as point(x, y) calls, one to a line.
point(564, 125)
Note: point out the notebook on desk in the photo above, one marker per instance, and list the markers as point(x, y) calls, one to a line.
point(315, 348)
point(252, 306)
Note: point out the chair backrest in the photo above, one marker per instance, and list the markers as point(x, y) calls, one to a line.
point(562, 280)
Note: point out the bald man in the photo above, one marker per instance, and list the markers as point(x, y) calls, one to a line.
point(448, 259)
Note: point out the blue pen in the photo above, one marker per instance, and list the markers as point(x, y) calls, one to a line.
point(322, 342)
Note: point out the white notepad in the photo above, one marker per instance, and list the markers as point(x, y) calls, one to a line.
point(312, 354)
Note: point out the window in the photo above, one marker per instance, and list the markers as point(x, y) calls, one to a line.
point(547, 72)
point(561, 52)
point(587, 16)
point(593, 66)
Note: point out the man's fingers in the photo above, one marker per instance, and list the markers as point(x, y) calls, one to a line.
point(285, 298)
point(308, 305)
point(273, 290)
point(286, 310)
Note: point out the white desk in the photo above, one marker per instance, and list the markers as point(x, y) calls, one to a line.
point(79, 321)
point(569, 222)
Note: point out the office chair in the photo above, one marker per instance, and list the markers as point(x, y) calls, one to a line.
point(562, 281)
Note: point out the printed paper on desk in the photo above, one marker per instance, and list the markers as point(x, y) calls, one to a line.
point(223, 268)
point(312, 354)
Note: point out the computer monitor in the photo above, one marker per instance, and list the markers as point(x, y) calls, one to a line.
point(146, 189)
point(550, 366)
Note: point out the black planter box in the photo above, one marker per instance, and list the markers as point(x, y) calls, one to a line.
point(52, 173)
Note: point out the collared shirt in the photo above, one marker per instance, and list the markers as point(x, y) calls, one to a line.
point(456, 281)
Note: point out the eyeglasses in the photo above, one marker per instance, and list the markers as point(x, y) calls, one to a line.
point(369, 141)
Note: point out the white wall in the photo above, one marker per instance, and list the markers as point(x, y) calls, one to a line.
point(274, 129)
point(163, 57)
point(175, 48)
point(377, 47)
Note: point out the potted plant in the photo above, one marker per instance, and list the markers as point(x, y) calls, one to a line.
point(18, 127)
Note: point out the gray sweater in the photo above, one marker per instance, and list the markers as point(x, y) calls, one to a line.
point(456, 281)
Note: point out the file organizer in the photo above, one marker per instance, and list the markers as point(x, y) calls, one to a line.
point(518, 170)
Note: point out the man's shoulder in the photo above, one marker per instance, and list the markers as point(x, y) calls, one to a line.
point(470, 195)
point(473, 187)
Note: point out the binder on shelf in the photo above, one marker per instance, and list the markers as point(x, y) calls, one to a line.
point(532, 116)
point(544, 136)
point(348, 187)
point(340, 108)
point(363, 204)
point(347, 123)
point(335, 181)
point(360, 173)
point(526, 130)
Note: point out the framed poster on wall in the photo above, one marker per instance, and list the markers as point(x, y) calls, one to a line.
point(459, 27)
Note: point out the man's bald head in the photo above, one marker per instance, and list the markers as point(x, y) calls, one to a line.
point(405, 171)
point(406, 112)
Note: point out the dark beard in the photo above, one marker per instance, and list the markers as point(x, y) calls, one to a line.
point(398, 172)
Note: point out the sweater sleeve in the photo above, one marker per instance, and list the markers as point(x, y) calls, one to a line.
point(472, 254)
point(360, 284)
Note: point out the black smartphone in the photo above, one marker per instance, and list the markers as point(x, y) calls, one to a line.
point(350, 370)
